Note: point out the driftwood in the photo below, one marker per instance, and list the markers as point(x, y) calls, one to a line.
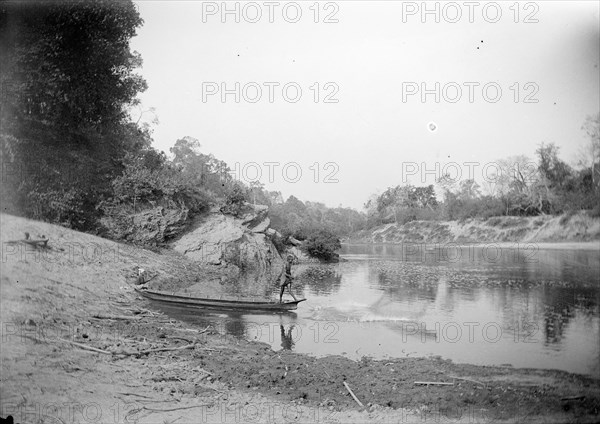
point(173, 409)
point(180, 338)
point(353, 395)
point(135, 394)
point(581, 397)
point(138, 353)
point(123, 317)
point(82, 346)
point(196, 331)
point(433, 383)
point(467, 379)
point(162, 349)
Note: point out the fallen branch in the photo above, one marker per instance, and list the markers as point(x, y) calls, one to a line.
point(194, 330)
point(173, 409)
point(353, 395)
point(154, 401)
point(35, 339)
point(151, 278)
point(134, 394)
point(162, 349)
point(433, 383)
point(138, 311)
point(168, 349)
point(581, 397)
point(467, 379)
point(179, 338)
point(82, 346)
point(124, 317)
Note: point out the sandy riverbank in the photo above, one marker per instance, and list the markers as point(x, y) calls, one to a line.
point(57, 306)
point(546, 230)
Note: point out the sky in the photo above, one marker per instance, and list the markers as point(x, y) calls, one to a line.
point(377, 93)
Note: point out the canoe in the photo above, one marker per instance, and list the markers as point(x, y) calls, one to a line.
point(245, 305)
point(32, 242)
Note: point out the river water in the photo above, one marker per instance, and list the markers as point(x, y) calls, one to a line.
point(495, 305)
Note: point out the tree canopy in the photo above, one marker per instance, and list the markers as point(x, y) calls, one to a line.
point(68, 80)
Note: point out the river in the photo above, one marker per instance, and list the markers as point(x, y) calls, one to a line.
point(522, 306)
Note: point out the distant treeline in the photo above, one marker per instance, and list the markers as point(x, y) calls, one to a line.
point(516, 186)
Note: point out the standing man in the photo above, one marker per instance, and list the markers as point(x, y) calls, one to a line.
point(288, 278)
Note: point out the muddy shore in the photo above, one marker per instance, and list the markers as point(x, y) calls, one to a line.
point(79, 345)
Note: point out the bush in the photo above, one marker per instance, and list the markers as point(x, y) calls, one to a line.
point(235, 198)
point(456, 209)
point(494, 221)
point(141, 187)
point(322, 245)
point(406, 215)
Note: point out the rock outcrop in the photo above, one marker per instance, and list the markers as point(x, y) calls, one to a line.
point(150, 227)
point(235, 241)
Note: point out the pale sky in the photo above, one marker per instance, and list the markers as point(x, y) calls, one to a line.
point(375, 53)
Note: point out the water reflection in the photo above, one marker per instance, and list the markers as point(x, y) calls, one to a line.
point(321, 279)
point(523, 306)
point(287, 339)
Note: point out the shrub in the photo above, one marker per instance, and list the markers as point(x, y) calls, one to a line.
point(322, 245)
point(235, 198)
point(566, 218)
point(140, 187)
point(493, 222)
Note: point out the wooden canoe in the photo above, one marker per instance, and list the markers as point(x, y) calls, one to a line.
point(244, 305)
point(32, 242)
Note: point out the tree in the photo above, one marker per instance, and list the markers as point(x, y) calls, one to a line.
point(186, 154)
point(68, 83)
point(446, 183)
point(590, 154)
point(275, 197)
point(407, 202)
point(423, 197)
point(237, 195)
point(551, 166)
point(512, 182)
point(469, 190)
point(69, 67)
point(256, 188)
point(555, 180)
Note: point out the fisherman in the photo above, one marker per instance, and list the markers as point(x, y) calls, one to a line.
point(288, 279)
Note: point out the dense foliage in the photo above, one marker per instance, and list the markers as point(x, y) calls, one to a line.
point(322, 244)
point(519, 186)
point(300, 219)
point(67, 82)
point(71, 151)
